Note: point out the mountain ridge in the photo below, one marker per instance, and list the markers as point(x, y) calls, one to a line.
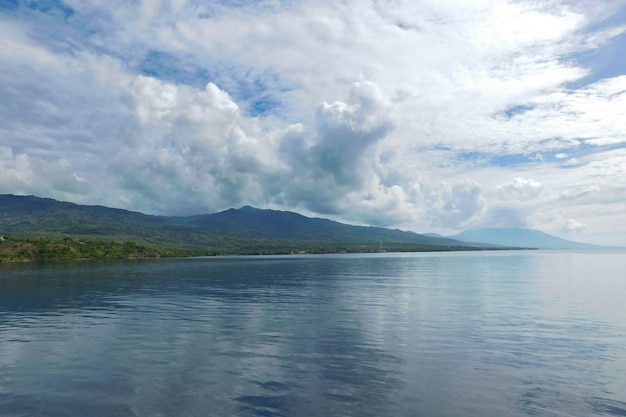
point(522, 237)
point(284, 224)
point(246, 230)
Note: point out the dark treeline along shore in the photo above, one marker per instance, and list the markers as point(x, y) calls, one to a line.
point(34, 228)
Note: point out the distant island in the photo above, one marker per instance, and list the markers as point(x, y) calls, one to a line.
point(35, 228)
point(521, 237)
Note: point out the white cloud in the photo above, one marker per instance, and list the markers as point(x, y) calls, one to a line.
point(409, 114)
point(456, 205)
point(25, 175)
point(579, 192)
point(519, 189)
point(330, 162)
point(572, 225)
point(194, 147)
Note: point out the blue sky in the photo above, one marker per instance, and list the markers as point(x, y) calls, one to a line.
point(435, 116)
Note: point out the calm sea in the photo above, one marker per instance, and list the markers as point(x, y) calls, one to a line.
point(484, 334)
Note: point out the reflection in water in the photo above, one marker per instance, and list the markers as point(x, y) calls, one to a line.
point(486, 334)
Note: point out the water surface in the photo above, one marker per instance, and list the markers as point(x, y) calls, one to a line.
point(450, 334)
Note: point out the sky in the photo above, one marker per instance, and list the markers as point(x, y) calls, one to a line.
point(429, 116)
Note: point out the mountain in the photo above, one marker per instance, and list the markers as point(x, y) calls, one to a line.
point(433, 235)
point(521, 238)
point(30, 214)
point(234, 231)
point(288, 225)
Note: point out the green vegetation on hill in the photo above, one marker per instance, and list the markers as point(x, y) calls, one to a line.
point(46, 249)
point(42, 229)
point(277, 224)
point(16, 249)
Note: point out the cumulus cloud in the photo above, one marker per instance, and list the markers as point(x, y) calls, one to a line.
point(512, 204)
point(330, 161)
point(456, 205)
point(519, 189)
point(411, 115)
point(26, 175)
point(194, 146)
point(572, 225)
point(346, 130)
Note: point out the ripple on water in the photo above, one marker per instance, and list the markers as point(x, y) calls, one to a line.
point(430, 335)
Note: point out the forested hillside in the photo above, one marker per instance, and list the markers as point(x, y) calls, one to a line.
point(42, 228)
